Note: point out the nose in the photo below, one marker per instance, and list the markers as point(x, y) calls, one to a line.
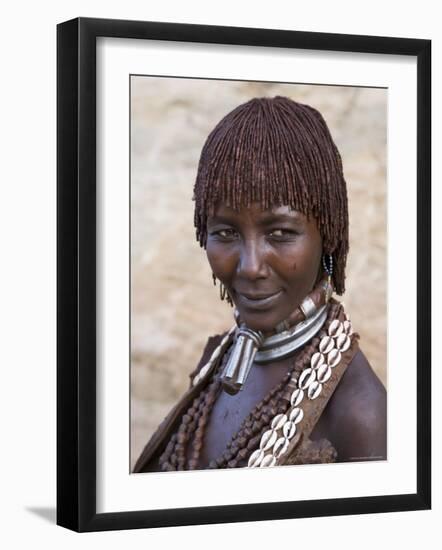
point(252, 263)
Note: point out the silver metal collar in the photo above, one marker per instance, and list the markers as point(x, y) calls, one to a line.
point(281, 345)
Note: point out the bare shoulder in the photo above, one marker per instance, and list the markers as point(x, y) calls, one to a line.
point(355, 419)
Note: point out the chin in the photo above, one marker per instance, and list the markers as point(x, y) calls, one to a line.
point(260, 322)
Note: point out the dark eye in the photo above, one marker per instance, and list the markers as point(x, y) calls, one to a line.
point(225, 234)
point(281, 234)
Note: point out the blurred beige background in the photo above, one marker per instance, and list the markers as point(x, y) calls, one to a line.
point(174, 305)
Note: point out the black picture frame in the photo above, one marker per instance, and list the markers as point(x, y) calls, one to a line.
point(77, 287)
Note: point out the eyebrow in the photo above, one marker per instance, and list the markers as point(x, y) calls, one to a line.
point(272, 218)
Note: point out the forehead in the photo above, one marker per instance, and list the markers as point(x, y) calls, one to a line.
point(255, 210)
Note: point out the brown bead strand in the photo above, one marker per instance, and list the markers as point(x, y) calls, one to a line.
point(170, 454)
point(182, 451)
point(164, 458)
point(197, 442)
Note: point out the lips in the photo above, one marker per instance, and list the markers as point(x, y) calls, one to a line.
point(261, 296)
point(258, 300)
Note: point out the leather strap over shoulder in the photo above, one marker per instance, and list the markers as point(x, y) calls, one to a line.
point(313, 409)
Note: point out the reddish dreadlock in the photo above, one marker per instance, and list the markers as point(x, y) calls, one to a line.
point(277, 152)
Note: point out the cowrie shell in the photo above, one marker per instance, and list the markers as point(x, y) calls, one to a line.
point(296, 415)
point(279, 421)
point(289, 430)
point(307, 377)
point(326, 344)
point(255, 458)
point(333, 357)
point(268, 460)
point(314, 390)
point(297, 397)
point(316, 360)
point(343, 342)
point(267, 440)
point(280, 447)
point(324, 373)
point(204, 370)
point(335, 328)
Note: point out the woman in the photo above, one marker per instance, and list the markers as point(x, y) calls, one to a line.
point(288, 383)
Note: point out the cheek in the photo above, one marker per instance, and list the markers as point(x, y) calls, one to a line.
point(303, 262)
point(221, 260)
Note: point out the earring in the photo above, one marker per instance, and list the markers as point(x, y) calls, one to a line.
point(328, 264)
point(328, 268)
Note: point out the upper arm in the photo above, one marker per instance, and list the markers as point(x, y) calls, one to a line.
point(355, 419)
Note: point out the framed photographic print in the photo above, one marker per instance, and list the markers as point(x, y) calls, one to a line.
point(243, 274)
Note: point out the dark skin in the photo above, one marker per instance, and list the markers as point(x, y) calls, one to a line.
point(269, 261)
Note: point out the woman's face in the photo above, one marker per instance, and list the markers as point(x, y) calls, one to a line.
point(268, 260)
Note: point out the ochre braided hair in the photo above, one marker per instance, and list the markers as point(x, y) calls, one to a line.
point(277, 152)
